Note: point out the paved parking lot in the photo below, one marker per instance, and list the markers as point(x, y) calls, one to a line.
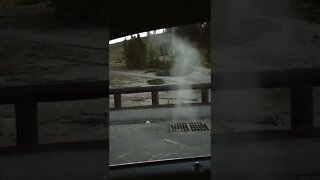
point(149, 138)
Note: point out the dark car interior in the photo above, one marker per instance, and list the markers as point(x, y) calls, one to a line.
point(64, 160)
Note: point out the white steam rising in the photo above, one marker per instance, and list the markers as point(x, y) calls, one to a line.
point(186, 59)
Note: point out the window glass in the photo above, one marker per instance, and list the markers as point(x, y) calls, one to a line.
point(160, 95)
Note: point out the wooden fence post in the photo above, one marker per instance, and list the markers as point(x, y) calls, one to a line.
point(27, 123)
point(205, 95)
point(117, 100)
point(302, 107)
point(155, 98)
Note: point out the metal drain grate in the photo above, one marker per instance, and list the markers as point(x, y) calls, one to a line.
point(191, 126)
point(198, 126)
point(179, 127)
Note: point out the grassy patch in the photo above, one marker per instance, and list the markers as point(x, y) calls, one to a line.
point(164, 72)
point(155, 81)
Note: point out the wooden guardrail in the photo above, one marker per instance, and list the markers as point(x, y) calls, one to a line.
point(154, 90)
point(63, 91)
point(301, 82)
point(26, 99)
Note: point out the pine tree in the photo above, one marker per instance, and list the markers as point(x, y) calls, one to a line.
point(153, 57)
point(125, 50)
point(136, 57)
point(131, 52)
point(142, 53)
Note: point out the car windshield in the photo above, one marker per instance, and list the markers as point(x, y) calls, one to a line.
point(160, 89)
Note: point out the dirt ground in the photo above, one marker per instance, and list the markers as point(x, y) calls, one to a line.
point(36, 49)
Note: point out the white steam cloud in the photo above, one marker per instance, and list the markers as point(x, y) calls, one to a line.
point(186, 59)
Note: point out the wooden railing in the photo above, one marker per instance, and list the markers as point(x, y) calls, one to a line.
point(300, 81)
point(26, 99)
point(154, 90)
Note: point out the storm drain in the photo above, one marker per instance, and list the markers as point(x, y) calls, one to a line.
point(191, 126)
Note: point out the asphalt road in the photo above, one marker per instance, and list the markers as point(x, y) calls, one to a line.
point(138, 135)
